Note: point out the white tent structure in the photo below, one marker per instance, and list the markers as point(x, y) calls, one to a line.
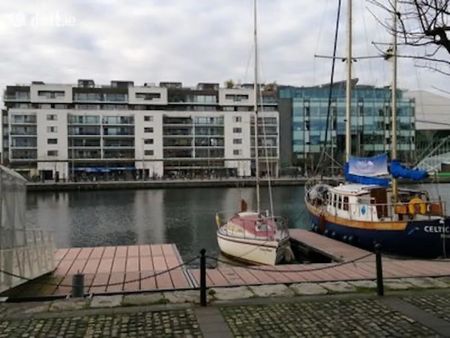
point(23, 252)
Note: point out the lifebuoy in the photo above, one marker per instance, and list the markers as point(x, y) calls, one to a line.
point(417, 206)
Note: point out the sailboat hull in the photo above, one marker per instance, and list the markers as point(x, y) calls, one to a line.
point(252, 251)
point(416, 238)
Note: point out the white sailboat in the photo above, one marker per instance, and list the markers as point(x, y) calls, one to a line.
point(253, 236)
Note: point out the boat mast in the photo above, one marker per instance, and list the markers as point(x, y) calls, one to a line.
point(348, 99)
point(255, 93)
point(394, 102)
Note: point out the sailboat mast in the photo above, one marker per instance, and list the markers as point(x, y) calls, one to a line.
point(394, 101)
point(348, 99)
point(255, 93)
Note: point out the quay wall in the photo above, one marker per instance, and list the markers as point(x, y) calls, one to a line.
point(184, 183)
point(160, 184)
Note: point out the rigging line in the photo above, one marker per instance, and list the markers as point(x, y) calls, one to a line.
point(319, 38)
point(269, 171)
point(333, 64)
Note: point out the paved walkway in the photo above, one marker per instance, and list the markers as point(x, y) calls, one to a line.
point(407, 314)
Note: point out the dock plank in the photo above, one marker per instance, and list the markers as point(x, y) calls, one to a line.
point(334, 249)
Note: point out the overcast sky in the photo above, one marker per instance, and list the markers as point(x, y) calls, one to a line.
point(189, 41)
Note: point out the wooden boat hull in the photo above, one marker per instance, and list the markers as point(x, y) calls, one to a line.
point(252, 250)
point(428, 238)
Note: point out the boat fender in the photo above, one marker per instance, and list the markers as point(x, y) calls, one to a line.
point(344, 238)
point(417, 206)
point(326, 232)
point(218, 220)
point(350, 238)
point(333, 234)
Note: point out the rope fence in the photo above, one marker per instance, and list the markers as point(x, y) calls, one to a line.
point(77, 285)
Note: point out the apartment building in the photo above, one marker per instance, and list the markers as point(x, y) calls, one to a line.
point(370, 123)
point(69, 131)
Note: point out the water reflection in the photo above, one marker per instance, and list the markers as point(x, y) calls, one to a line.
point(185, 217)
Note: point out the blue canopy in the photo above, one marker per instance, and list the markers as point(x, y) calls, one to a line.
point(384, 182)
point(398, 170)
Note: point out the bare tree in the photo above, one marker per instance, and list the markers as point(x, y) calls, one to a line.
point(424, 24)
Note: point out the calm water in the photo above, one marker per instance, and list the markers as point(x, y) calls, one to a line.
point(185, 217)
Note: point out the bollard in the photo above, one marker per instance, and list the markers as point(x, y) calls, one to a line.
point(78, 285)
point(203, 300)
point(380, 286)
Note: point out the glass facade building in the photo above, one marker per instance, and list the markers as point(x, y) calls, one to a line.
point(370, 122)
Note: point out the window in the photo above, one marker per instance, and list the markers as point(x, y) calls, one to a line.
point(148, 152)
point(148, 118)
point(237, 130)
point(345, 203)
point(339, 202)
point(237, 152)
point(237, 141)
point(148, 141)
point(52, 153)
point(148, 96)
point(52, 141)
point(52, 129)
point(237, 119)
point(236, 97)
point(51, 94)
point(51, 117)
point(148, 130)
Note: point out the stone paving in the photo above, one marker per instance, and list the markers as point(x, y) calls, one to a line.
point(438, 305)
point(174, 323)
point(343, 318)
point(303, 309)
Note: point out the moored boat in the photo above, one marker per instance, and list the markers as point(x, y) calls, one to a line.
point(363, 215)
point(254, 236)
point(370, 208)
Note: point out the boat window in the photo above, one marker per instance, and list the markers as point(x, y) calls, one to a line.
point(345, 202)
point(334, 200)
point(262, 227)
point(340, 202)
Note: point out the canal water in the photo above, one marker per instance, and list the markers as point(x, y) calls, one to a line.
point(185, 217)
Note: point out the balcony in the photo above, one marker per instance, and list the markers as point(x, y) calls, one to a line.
point(23, 131)
point(23, 120)
point(113, 153)
point(19, 96)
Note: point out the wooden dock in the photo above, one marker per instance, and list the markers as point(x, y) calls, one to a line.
point(335, 250)
point(121, 268)
point(131, 269)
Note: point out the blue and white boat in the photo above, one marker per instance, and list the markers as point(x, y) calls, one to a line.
point(370, 208)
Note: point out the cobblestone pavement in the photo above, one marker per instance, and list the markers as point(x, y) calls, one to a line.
point(414, 314)
point(438, 305)
point(336, 318)
point(179, 323)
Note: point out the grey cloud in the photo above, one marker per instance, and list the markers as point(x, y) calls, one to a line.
point(189, 41)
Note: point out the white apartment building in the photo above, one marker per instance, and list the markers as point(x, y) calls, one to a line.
point(61, 132)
